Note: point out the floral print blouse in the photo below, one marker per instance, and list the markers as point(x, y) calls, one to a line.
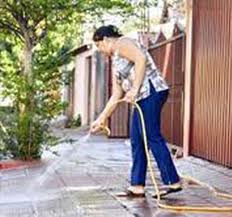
point(125, 73)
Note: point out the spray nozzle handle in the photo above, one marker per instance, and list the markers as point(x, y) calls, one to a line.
point(105, 129)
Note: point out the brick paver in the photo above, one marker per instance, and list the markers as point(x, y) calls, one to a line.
point(86, 180)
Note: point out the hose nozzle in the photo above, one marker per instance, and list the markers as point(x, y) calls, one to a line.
point(105, 130)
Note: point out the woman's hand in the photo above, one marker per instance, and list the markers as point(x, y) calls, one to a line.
point(130, 96)
point(96, 126)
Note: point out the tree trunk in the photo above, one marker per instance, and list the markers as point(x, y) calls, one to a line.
point(164, 15)
point(27, 70)
point(27, 63)
point(26, 108)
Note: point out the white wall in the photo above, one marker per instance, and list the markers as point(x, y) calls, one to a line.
point(81, 95)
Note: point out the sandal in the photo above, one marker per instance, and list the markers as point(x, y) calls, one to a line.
point(130, 194)
point(167, 191)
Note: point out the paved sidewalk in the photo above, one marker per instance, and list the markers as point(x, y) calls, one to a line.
point(84, 181)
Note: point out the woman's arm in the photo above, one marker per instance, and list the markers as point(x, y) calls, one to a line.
point(129, 50)
point(117, 94)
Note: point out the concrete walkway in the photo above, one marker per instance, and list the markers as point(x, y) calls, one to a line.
point(84, 180)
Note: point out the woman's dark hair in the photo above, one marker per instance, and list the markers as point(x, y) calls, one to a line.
point(106, 31)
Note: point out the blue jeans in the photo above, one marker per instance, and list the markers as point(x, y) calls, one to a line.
point(151, 108)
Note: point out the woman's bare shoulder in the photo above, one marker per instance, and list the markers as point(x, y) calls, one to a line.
point(125, 39)
point(129, 48)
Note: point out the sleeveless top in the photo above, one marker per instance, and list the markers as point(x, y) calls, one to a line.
point(125, 73)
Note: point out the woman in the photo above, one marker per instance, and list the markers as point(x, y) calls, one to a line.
point(136, 79)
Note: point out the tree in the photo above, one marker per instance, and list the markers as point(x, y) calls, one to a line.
point(164, 15)
point(141, 14)
point(177, 7)
point(34, 33)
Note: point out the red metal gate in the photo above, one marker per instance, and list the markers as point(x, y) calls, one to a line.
point(169, 56)
point(211, 120)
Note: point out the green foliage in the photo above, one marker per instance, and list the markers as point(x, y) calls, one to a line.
point(7, 140)
point(75, 122)
point(138, 19)
point(35, 40)
point(41, 100)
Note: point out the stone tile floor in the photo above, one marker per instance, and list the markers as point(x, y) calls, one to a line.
point(84, 181)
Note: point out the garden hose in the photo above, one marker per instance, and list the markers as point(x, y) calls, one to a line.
point(105, 130)
point(152, 175)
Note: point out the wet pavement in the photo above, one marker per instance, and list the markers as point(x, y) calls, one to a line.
point(85, 180)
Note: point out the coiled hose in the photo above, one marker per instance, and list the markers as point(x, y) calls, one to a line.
point(152, 175)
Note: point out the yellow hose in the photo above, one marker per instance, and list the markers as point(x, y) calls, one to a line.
point(172, 207)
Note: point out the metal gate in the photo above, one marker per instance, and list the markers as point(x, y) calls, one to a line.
point(169, 56)
point(211, 120)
